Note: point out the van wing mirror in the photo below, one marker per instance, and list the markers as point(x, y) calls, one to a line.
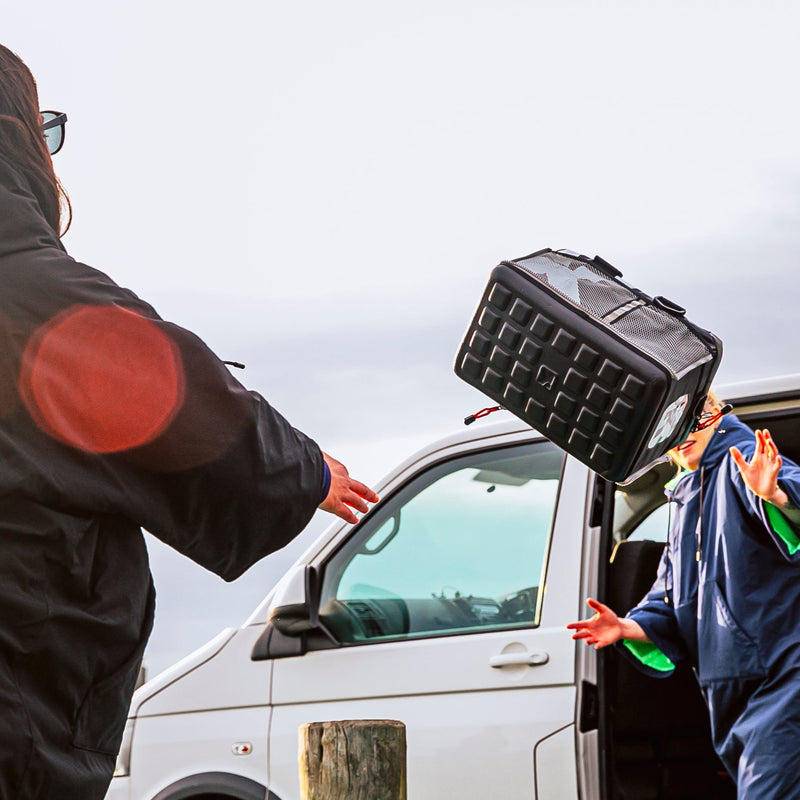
point(293, 613)
point(295, 607)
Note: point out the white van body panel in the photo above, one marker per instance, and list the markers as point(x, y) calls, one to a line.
point(515, 725)
point(179, 670)
point(554, 761)
point(203, 741)
point(445, 733)
point(230, 677)
point(199, 712)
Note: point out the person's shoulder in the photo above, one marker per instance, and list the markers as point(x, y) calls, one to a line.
point(23, 227)
point(10, 174)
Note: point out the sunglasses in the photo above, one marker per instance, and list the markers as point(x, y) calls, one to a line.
point(53, 123)
point(708, 418)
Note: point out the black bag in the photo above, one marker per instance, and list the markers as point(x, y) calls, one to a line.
point(611, 375)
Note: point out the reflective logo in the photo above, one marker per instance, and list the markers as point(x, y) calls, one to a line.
point(669, 421)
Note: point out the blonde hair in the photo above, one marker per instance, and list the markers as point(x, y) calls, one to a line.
point(714, 399)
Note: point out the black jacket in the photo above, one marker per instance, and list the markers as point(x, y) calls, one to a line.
point(110, 419)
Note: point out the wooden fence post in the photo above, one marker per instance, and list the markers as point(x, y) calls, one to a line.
point(353, 760)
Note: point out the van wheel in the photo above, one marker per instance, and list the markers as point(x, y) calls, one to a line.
point(215, 786)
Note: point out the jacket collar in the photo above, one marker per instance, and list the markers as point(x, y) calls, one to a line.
point(731, 432)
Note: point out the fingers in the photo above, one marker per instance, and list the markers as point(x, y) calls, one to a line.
point(344, 513)
point(363, 491)
point(769, 444)
point(346, 493)
point(586, 627)
point(358, 494)
point(760, 446)
point(335, 505)
point(580, 624)
point(766, 449)
point(356, 501)
point(590, 639)
point(597, 606)
point(738, 457)
point(765, 445)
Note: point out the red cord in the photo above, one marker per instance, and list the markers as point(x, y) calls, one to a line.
point(484, 412)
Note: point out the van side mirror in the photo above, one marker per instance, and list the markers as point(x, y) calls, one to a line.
point(295, 608)
point(293, 613)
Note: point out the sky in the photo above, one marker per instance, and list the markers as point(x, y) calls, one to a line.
point(320, 190)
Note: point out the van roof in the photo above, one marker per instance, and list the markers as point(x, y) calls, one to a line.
point(741, 393)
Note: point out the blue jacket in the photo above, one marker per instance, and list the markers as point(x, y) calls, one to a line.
point(727, 598)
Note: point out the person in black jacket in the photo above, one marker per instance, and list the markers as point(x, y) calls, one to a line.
point(111, 419)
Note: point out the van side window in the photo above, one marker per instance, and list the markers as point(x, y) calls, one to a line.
point(654, 527)
point(462, 548)
point(641, 510)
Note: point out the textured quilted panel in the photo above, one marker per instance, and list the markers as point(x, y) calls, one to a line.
point(574, 396)
point(564, 373)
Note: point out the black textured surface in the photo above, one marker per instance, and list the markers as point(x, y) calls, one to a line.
point(570, 375)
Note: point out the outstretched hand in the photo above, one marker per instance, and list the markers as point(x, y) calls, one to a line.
point(605, 627)
point(760, 475)
point(345, 493)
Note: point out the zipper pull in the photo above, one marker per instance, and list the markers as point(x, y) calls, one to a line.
point(484, 412)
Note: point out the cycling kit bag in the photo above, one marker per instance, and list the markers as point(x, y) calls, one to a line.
point(606, 372)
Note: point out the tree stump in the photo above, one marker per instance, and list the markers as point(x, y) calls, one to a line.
point(353, 760)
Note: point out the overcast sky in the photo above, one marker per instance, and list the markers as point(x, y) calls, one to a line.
point(321, 189)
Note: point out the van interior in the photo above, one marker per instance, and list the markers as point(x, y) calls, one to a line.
point(654, 733)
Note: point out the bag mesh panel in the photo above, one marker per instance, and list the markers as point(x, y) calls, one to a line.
point(578, 281)
point(663, 336)
point(658, 333)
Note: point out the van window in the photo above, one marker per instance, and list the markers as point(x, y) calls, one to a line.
point(460, 549)
point(654, 527)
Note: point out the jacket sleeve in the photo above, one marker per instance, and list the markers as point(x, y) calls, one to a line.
point(118, 412)
point(656, 615)
point(784, 534)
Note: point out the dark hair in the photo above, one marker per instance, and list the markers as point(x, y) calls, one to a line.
point(21, 139)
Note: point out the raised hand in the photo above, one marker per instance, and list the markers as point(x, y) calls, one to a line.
point(345, 493)
point(760, 475)
point(605, 627)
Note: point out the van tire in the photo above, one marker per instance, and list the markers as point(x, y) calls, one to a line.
point(215, 786)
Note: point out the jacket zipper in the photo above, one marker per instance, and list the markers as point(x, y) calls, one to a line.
point(699, 529)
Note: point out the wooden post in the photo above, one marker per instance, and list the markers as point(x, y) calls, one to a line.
point(353, 760)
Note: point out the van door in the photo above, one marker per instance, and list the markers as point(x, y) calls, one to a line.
point(447, 606)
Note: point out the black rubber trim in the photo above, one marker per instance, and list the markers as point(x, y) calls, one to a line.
point(234, 786)
point(766, 397)
point(600, 262)
point(669, 306)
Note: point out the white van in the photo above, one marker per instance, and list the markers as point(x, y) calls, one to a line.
point(445, 608)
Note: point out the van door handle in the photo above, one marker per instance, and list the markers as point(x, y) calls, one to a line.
point(519, 659)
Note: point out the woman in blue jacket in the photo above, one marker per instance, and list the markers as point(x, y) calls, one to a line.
point(727, 597)
point(110, 419)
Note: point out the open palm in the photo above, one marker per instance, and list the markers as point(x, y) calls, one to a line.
point(603, 629)
point(760, 475)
